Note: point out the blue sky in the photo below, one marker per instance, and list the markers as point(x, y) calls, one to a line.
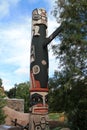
point(15, 39)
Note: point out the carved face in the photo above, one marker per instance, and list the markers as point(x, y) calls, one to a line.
point(39, 102)
point(39, 16)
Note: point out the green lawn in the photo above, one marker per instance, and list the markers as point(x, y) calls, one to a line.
point(54, 116)
point(61, 118)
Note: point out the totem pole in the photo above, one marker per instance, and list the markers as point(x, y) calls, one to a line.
point(39, 70)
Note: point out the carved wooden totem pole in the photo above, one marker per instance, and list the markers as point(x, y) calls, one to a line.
point(39, 72)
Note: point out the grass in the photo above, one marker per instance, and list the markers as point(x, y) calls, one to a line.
point(60, 119)
point(54, 116)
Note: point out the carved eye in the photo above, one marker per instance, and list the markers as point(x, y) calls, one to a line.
point(35, 99)
point(36, 69)
point(36, 17)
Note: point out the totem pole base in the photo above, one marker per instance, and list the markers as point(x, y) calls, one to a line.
point(38, 122)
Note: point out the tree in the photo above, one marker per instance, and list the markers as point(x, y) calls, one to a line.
point(72, 53)
point(2, 103)
point(78, 116)
point(60, 92)
point(56, 93)
point(72, 100)
point(11, 93)
point(20, 91)
point(2, 115)
point(0, 82)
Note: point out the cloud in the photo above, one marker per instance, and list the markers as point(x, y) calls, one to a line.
point(4, 9)
point(5, 6)
point(7, 83)
point(22, 71)
point(15, 41)
point(15, 38)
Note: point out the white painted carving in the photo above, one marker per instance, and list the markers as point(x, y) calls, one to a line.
point(36, 30)
point(36, 69)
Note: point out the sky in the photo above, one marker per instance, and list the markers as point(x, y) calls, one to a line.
point(15, 39)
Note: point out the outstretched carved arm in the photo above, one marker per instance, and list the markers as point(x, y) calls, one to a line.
point(52, 36)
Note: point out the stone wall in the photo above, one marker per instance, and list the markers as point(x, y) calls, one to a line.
point(16, 104)
point(14, 109)
point(11, 115)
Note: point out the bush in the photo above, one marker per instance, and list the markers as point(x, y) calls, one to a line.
point(78, 117)
point(2, 115)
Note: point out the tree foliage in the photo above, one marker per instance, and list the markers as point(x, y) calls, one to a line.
point(20, 91)
point(72, 51)
point(0, 82)
point(69, 97)
point(2, 115)
point(70, 83)
point(2, 103)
